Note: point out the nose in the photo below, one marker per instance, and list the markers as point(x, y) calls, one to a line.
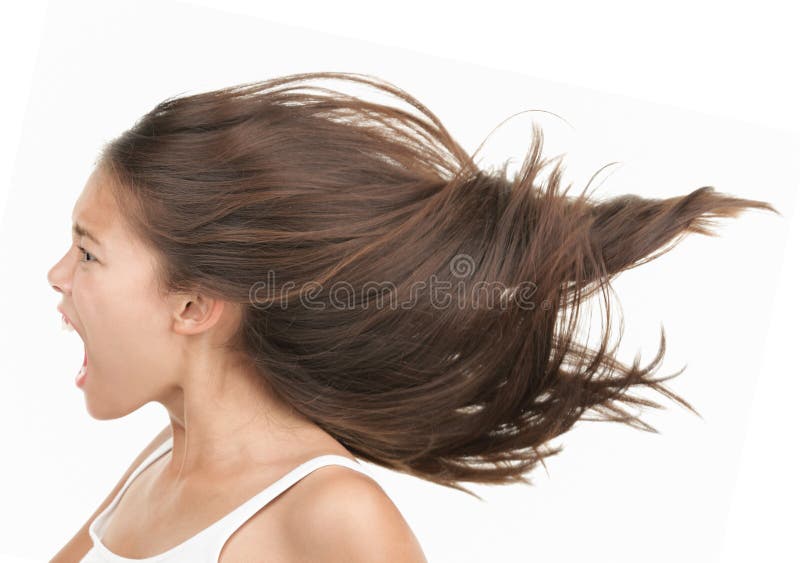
point(58, 276)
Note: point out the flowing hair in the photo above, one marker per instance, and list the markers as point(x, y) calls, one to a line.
point(269, 194)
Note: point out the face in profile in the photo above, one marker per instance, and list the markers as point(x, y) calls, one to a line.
point(108, 290)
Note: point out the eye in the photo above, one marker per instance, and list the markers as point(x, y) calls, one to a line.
point(83, 251)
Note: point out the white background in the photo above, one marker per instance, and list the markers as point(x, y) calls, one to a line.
point(682, 96)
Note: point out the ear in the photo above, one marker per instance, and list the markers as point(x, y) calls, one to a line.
point(193, 314)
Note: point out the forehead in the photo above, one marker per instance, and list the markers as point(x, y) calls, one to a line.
point(95, 208)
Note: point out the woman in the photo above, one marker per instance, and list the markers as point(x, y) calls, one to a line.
point(232, 256)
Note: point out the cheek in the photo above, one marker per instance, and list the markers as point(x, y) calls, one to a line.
point(125, 327)
point(87, 297)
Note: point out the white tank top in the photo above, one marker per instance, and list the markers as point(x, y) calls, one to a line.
point(206, 545)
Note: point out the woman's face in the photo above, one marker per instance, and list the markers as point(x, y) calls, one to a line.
point(110, 296)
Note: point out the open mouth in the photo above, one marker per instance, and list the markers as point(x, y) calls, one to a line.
point(67, 325)
point(80, 378)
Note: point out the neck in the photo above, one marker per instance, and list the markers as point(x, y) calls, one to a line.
point(227, 422)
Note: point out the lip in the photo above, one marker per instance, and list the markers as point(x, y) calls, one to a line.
point(60, 310)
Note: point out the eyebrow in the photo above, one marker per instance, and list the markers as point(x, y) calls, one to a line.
point(83, 232)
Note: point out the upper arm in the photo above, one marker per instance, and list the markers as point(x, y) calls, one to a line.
point(353, 520)
point(82, 542)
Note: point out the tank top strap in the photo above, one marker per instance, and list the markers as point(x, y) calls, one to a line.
point(225, 527)
point(206, 546)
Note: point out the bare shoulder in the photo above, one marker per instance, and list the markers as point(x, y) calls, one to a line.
point(351, 518)
point(339, 514)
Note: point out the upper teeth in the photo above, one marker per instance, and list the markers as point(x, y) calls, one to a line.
point(65, 324)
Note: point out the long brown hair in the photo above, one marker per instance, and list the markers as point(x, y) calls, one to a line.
point(280, 188)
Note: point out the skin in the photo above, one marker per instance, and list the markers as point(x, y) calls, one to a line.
point(229, 432)
point(143, 347)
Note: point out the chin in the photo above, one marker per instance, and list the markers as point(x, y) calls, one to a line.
point(107, 410)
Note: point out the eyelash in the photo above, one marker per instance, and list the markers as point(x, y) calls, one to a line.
point(83, 251)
